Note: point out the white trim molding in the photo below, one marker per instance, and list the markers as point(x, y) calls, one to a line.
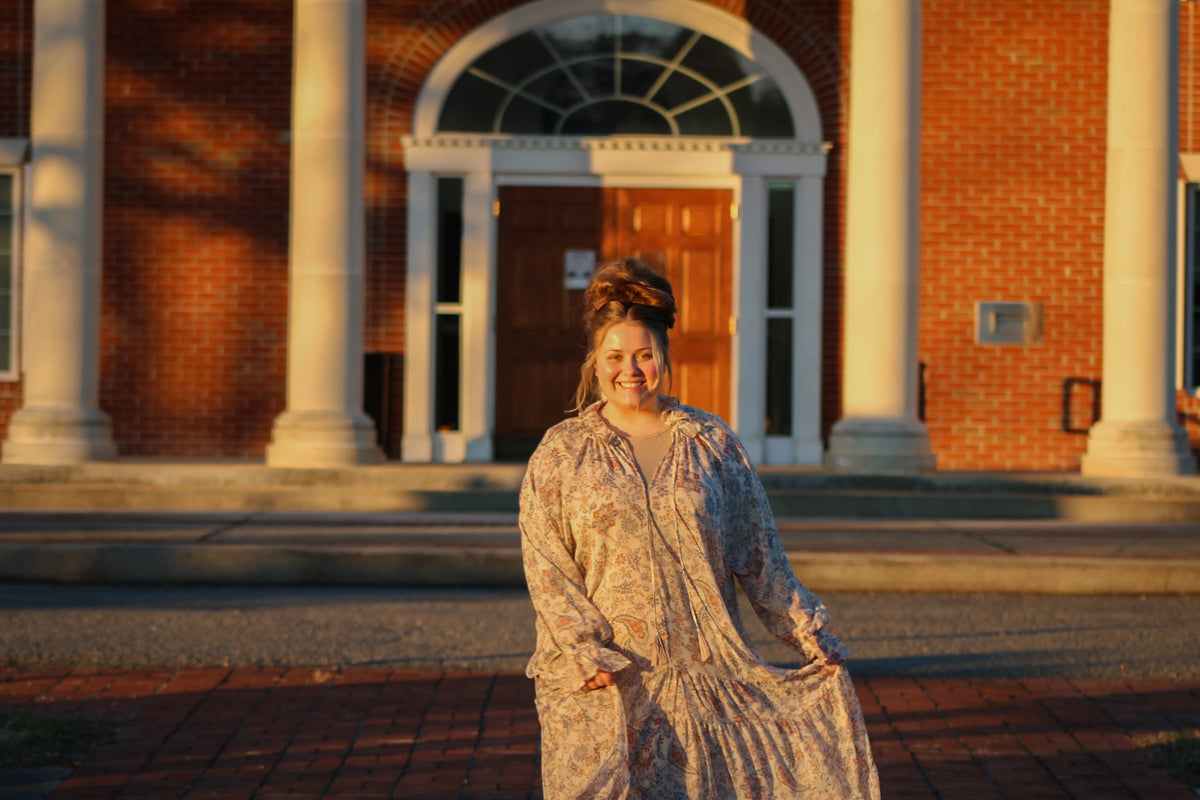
point(13, 151)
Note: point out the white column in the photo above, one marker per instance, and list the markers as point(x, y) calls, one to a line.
point(879, 430)
point(1137, 434)
point(60, 421)
point(323, 424)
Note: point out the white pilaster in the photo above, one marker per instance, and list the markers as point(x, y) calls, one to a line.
point(417, 444)
point(60, 421)
point(478, 353)
point(806, 342)
point(1137, 434)
point(879, 430)
point(749, 368)
point(323, 424)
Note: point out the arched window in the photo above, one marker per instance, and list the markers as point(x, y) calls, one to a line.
point(608, 74)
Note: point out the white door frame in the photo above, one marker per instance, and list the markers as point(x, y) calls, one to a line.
point(743, 165)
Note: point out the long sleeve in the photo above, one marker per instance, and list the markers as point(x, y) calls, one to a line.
point(572, 634)
point(787, 608)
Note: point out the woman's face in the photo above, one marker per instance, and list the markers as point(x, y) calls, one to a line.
point(625, 367)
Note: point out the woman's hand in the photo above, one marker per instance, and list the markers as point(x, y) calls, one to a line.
point(824, 648)
point(601, 679)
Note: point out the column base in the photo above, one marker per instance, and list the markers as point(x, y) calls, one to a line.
point(875, 446)
point(323, 439)
point(40, 435)
point(1137, 450)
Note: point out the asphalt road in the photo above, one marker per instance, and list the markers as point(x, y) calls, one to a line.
point(934, 635)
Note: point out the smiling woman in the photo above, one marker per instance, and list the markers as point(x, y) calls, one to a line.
point(630, 307)
point(639, 518)
point(626, 371)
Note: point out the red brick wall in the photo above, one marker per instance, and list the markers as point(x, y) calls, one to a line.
point(195, 227)
point(1012, 205)
point(197, 159)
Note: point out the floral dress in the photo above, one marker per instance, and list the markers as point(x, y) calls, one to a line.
point(637, 576)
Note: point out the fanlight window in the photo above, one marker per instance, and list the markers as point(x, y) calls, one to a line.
point(605, 74)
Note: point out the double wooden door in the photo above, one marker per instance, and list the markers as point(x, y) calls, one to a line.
point(685, 234)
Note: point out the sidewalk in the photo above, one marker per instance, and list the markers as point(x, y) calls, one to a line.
point(483, 549)
point(303, 733)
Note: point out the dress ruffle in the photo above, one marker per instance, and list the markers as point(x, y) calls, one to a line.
point(710, 733)
point(571, 669)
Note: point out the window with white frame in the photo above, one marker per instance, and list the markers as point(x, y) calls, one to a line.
point(608, 74)
point(10, 186)
point(447, 400)
point(1189, 290)
point(781, 306)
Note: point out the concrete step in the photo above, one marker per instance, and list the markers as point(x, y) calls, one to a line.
point(800, 493)
point(444, 549)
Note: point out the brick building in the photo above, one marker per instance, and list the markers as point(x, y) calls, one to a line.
point(318, 232)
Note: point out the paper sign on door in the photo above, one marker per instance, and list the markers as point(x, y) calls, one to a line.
point(578, 266)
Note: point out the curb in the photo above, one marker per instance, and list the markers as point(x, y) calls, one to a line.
point(248, 564)
point(501, 567)
point(996, 574)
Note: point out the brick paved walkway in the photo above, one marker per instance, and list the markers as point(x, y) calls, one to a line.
point(355, 733)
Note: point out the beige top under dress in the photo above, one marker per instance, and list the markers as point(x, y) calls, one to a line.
point(637, 576)
point(648, 451)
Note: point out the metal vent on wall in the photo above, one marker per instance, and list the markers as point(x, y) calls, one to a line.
point(1008, 323)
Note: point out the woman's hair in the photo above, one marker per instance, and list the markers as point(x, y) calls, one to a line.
point(626, 290)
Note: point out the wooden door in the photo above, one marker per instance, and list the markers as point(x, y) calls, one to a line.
point(540, 343)
point(687, 235)
point(539, 323)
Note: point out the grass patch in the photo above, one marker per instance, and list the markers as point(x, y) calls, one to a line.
point(1177, 754)
point(35, 740)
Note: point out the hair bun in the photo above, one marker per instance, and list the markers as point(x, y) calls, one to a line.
point(628, 282)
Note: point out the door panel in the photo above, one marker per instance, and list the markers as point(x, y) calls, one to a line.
point(687, 235)
point(539, 328)
point(684, 234)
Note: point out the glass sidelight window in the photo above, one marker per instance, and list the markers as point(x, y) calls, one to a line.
point(1190, 287)
point(447, 400)
point(9, 218)
point(610, 74)
point(781, 306)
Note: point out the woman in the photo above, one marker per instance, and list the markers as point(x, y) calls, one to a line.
point(636, 518)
